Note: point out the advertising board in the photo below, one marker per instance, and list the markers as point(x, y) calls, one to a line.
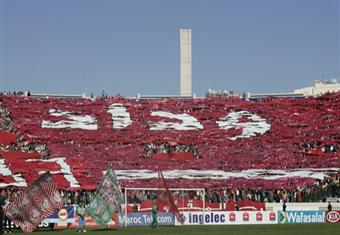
point(65, 214)
point(145, 219)
point(229, 217)
point(301, 217)
point(90, 223)
point(333, 217)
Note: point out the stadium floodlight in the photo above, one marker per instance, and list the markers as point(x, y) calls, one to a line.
point(185, 62)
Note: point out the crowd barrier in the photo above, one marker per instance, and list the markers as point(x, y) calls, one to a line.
point(67, 218)
point(67, 215)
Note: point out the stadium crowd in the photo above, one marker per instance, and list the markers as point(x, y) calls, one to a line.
point(322, 189)
point(302, 134)
point(317, 146)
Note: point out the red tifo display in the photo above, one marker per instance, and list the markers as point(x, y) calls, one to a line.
point(210, 142)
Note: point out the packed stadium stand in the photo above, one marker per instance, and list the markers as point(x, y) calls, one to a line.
point(214, 143)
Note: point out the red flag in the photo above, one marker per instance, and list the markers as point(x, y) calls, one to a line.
point(35, 203)
point(246, 205)
point(165, 197)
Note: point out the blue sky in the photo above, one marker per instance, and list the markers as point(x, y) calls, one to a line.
point(130, 47)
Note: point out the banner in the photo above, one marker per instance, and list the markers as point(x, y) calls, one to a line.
point(65, 214)
point(107, 199)
point(90, 223)
point(35, 203)
point(333, 217)
point(301, 217)
point(173, 156)
point(245, 205)
point(145, 219)
point(229, 218)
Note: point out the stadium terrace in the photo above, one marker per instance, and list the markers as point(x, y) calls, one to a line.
point(210, 142)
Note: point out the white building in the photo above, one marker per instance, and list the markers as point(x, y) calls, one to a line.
point(319, 88)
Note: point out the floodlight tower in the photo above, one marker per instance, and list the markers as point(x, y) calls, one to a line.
point(185, 62)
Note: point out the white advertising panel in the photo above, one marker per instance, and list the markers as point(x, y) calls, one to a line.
point(229, 217)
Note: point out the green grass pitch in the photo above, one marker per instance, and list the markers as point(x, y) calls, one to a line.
point(294, 229)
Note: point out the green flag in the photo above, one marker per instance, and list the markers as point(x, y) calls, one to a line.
point(107, 199)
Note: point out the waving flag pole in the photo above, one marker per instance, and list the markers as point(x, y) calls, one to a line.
point(165, 196)
point(107, 199)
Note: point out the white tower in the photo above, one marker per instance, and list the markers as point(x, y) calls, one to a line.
point(185, 62)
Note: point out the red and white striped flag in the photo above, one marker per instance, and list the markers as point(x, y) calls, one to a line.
point(35, 203)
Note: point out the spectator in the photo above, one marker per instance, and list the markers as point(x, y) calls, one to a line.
point(135, 208)
point(237, 208)
point(329, 207)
